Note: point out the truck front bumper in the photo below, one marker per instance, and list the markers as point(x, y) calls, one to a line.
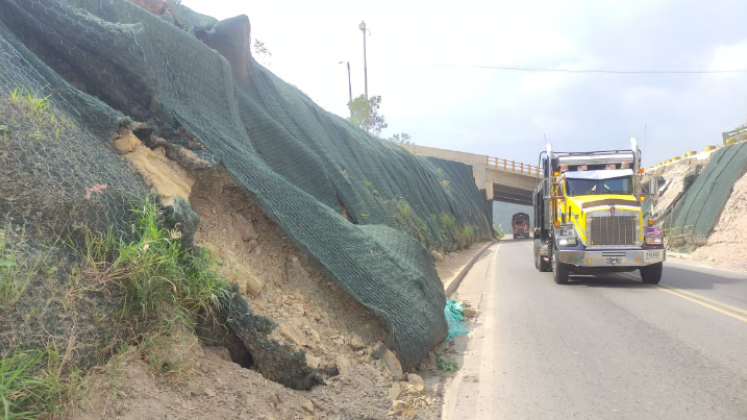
point(612, 257)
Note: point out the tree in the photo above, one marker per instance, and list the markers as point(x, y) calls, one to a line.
point(260, 50)
point(403, 138)
point(365, 114)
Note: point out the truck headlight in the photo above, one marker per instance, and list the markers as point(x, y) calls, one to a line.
point(567, 241)
point(653, 235)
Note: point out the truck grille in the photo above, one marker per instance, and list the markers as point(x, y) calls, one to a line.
point(611, 230)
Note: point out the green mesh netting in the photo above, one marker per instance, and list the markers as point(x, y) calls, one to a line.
point(697, 212)
point(192, 80)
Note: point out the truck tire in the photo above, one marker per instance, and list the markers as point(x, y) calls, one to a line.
point(651, 274)
point(539, 263)
point(560, 271)
point(542, 265)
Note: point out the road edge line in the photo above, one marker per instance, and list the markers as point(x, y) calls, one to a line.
point(451, 286)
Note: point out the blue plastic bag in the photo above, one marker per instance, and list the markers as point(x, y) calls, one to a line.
point(454, 318)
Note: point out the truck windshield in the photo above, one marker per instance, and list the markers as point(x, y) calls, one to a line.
point(622, 186)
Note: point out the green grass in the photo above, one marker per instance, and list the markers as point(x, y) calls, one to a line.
point(18, 265)
point(162, 281)
point(28, 388)
point(40, 110)
point(445, 364)
point(468, 233)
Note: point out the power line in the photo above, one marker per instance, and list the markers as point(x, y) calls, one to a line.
point(541, 70)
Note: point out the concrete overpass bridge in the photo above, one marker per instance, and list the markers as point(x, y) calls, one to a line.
point(503, 180)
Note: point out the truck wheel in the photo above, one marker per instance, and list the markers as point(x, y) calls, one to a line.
point(651, 274)
point(539, 263)
point(542, 265)
point(559, 270)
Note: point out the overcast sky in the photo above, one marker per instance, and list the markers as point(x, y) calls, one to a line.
point(423, 59)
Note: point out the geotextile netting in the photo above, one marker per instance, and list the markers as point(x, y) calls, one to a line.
point(697, 212)
point(364, 209)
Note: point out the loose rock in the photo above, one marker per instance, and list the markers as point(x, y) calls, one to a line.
point(307, 405)
point(469, 312)
point(356, 342)
point(394, 391)
point(416, 381)
point(244, 228)
point(312, 361)
point(392, 363)
point(402, 408)
point(343, 363)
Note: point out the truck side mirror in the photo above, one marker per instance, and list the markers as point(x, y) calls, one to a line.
point(653, 186)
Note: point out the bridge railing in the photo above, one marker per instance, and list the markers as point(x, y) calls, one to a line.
point(511, 166)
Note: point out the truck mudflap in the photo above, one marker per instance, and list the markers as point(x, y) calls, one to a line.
point(612, 257)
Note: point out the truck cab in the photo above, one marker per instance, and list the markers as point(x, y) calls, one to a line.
point(589, 217)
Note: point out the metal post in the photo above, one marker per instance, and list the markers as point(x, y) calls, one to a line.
point(362, 27)
point(350, 91)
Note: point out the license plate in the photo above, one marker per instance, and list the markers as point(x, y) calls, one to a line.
point(614, 260)
point(652, 255)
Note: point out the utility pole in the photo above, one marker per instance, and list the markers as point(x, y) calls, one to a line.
point(362, 27)
point(350, 89)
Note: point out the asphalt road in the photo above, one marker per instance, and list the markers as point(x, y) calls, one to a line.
point(606, 347)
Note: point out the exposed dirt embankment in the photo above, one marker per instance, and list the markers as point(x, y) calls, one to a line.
point(727, 245)
point(675, 185)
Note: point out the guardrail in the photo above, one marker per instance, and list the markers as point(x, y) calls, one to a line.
point(687, 155)
point(511, 166)
point(735, 136)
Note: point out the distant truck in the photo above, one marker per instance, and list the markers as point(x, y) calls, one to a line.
point(520, 225)
point(588, 215)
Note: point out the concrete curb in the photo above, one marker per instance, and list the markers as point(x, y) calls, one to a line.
point(452, 285)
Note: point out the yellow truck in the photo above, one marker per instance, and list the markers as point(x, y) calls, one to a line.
point(588, 215)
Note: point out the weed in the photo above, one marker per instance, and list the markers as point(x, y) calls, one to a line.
point(17, 265)
point(39, 108)
point(468, 233)
point(447, 221)
point(404, 210)
point(161, 280)
point(28, 389)
point(4, 130)
point(364, 216)
point(446, 184)
point(445, 364)
point(367, 184)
